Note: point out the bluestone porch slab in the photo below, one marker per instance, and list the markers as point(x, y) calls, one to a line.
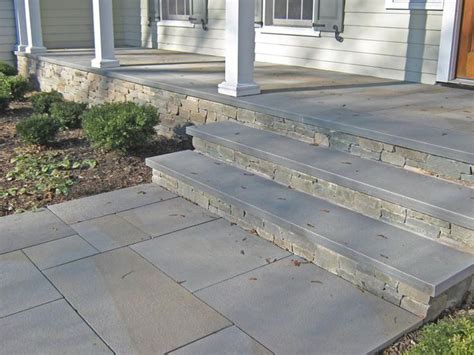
point(425, 194)
point(211, 252)
point(306, 310)
point(59, 251)
point(53, 328)
point(229, 341)
point(23, 230)
point(22, 286)
point(420, 262)
point(110, 202)
point(134, 307)
point(168, 216)
point(109, 232)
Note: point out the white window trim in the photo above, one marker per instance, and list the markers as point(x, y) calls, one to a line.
point(410, 5)
point(291, 31)
point(176, 23)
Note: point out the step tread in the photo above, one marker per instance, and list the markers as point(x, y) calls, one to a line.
point(425, 264)
point(450, 202)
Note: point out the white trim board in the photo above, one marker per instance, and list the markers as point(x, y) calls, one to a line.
point(448, 46)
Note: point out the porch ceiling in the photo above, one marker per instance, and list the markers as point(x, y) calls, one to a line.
point(436, 119)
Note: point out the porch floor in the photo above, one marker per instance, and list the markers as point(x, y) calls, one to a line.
point(434, 119)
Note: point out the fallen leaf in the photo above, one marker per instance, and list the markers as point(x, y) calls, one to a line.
point(296, 262)
point(141, 193)
point(242, 252)
point(269, 260)
point(384, 256)
point(181, 282)
point(316, 282)
point(253, 279)
point(346, 162)
point(253, 231)
point(310, 225)
point(128, 273)
point(324, 210)
point(382, 236)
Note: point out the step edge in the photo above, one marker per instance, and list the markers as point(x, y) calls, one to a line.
point(384, 194)
point(433, 289)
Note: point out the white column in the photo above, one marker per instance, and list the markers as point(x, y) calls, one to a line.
point(240, 49)
point(20, 21)
point(34, 31)
point(103, 35)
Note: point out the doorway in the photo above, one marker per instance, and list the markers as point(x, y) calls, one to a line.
point(465, 60)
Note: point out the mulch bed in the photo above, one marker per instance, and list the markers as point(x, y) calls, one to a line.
point(113, 171)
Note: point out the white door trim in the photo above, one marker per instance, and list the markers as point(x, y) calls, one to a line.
point(448, 47)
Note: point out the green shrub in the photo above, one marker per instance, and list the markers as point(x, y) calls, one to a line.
point(42, 101)
point(68, 114)
point(37, 129)
point(5, 95)
point(120, 126)
point(19, 86)
point(446, 337)
point(7, 69)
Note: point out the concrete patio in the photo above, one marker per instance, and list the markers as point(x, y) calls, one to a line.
point(141, 270)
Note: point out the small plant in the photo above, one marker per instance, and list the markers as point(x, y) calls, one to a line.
point(122, 127)
point(45, 174)
point(5, 95)
point(7, 69)
point(19, 86)
point(38, 129)
point(68, 114)
point(43, 101)
point(446, 337)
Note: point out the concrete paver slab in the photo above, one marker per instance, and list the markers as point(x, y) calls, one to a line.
point(306, 310)
point(167, 216)
point(107, 203)
point(59, 251)
point(228, 341)
point(133, 306)
point(30, 228)
point(53, 328)
point(109, 232)
point(22, 286)
point(211, 252)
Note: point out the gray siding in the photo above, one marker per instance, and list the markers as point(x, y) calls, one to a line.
point(69, 23)
point(397, 44)
point(7, 31)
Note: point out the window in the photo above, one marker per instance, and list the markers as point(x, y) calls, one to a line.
point(297, 13)
point(177, 9)
point(414, 4)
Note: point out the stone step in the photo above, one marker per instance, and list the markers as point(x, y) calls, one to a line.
point(410, 271)
point(423, 204)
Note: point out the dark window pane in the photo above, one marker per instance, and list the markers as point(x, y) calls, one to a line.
point(172, 7)
point(294, 9)
point(180, 10)
point(307, 9)
point(188, 7)
point(280, 9)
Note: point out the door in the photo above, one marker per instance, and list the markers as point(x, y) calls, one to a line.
point(465, 65)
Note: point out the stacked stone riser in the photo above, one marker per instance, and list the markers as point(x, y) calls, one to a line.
point(441, 230)
point(366, 277)
point(177, 110)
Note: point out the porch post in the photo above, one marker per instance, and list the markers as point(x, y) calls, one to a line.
point(103, 35)
point(240, 49)
point(20, 21)
point(34, 32)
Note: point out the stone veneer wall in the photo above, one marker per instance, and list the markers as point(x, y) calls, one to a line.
point(178, 110)
point(456, 236)
point(364, 276)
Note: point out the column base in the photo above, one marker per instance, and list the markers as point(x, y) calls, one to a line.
point(21, 48)
point(104, 63)
point(237, 90)
point(35, 50)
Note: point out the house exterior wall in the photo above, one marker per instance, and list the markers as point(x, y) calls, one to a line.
point(7, 31)
point(69, 23)
point(397, 44)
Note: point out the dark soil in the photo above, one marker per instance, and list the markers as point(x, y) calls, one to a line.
point(113, 171)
